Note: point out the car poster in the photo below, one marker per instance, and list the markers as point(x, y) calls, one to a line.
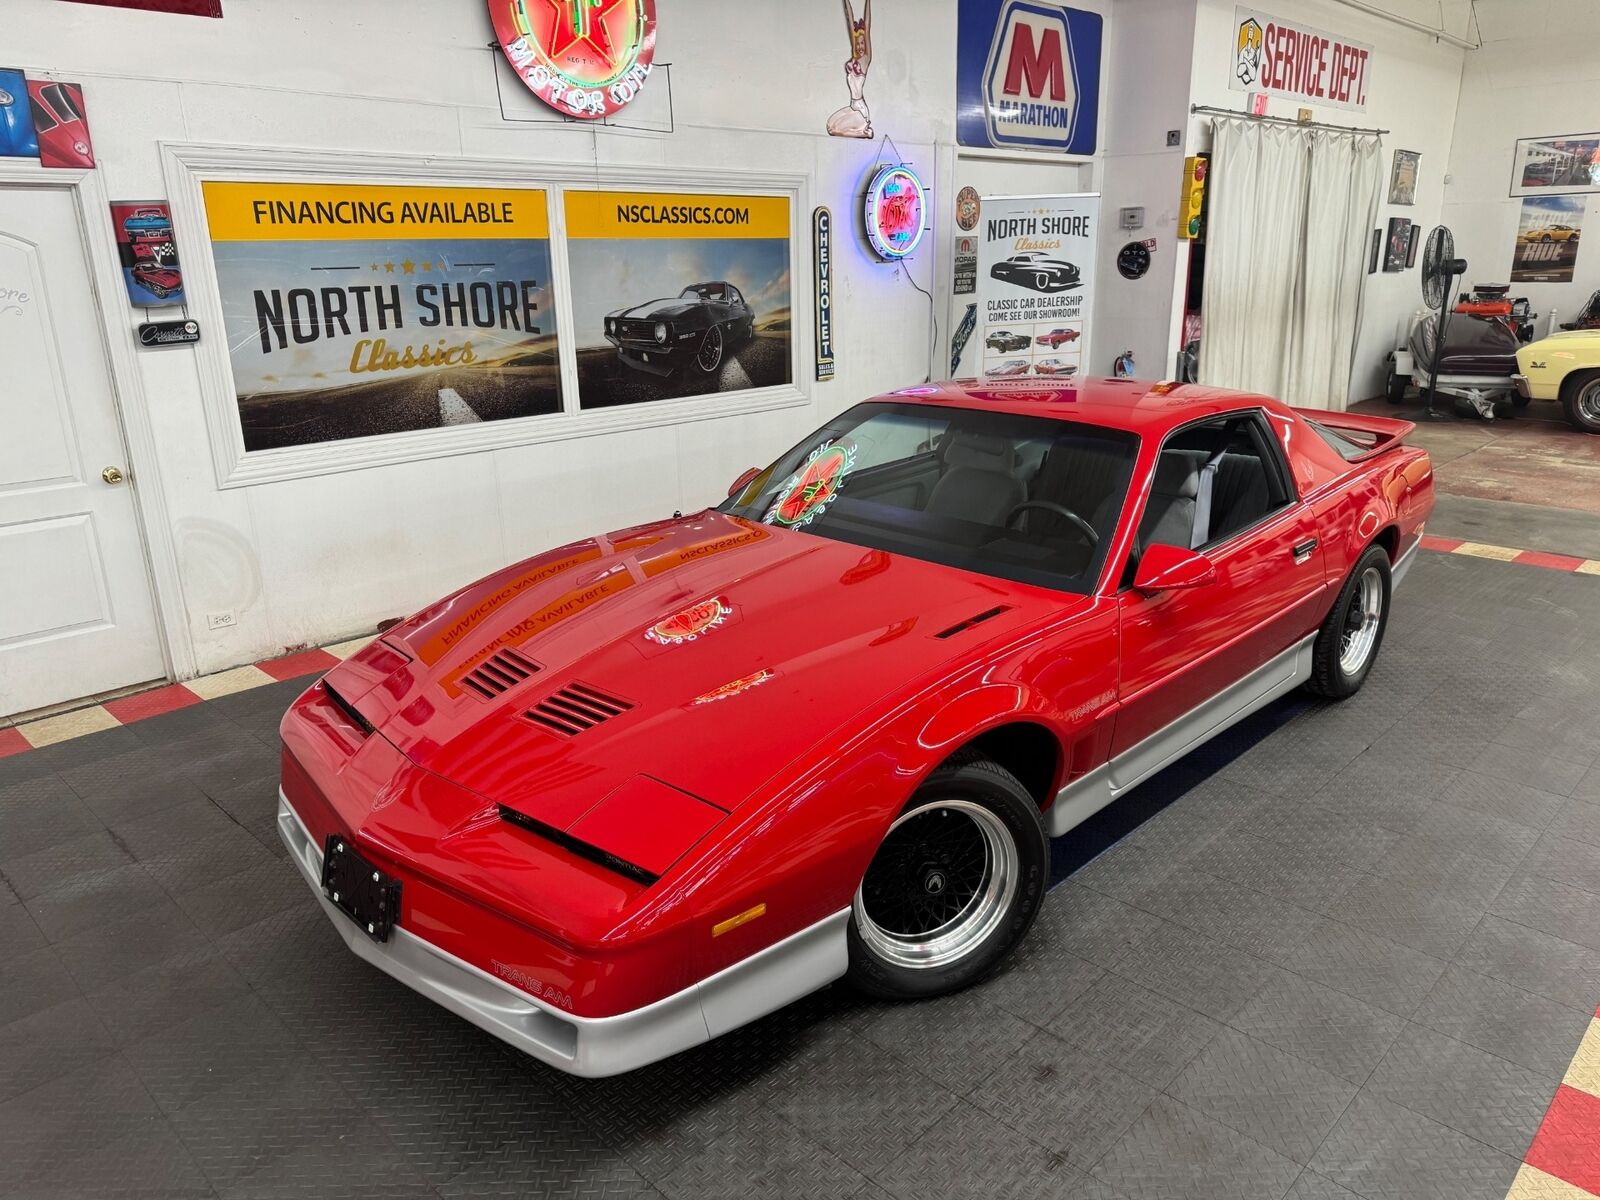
point(1548, 231)
point(61, 124)
point(678, 294)
point(1035, 287)
point(357, 310)
point(149, 256)
point(1551, 165)
point(17, 138)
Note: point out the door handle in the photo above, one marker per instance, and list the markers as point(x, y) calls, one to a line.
point(112, 475)
point(1302, 550)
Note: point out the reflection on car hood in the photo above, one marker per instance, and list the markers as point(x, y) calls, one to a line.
point(658, 309)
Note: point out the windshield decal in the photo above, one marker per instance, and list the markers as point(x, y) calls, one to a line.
point(808, 492)
point(690, 623)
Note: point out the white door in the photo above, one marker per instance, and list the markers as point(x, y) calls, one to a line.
point(76, 614)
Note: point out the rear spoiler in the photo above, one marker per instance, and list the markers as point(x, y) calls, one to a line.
point(1381, 433)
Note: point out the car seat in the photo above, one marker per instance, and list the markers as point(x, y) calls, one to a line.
point(1170, 512)
point(980, 481)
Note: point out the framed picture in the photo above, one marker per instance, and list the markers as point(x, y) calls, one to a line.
point(1411, 246)
point(1377, 246)
point(1548, 232)
point(1397, 245)
point(1403, 177)
point(1565, 163)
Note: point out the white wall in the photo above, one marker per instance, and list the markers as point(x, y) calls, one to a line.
point(1537, 74)
point(1413, 84)
point(310, 560)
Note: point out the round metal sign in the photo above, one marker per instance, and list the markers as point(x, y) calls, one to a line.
point(1133, 260)
point(584, 58)
point(896, 201)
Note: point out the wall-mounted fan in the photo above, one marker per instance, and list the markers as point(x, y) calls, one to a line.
point(1440, 269)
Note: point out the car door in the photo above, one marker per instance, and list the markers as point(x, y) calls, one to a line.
point(1224, 484)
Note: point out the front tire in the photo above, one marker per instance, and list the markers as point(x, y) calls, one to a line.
point(709, 357)
point(1348, 642)
point(956, 882)
point(1580, 400)
point(1395, 387)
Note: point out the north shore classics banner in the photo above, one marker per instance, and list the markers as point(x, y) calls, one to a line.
point(354, 310)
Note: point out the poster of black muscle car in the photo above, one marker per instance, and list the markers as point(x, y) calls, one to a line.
point(1037, 272)
point(678, 295)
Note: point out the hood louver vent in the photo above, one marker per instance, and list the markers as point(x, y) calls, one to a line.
point(963, 626)
point(499, 673)
point(575, 708)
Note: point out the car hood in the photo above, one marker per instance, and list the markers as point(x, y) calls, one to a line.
point(657, 309)
point(725, 648)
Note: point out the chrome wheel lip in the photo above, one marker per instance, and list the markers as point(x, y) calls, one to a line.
point(972, 926)
point(1589, 402)
point(713, 338)
point(1366, 606)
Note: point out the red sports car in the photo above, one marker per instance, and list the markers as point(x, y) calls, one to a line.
point(629, 794)
point(1057, 337)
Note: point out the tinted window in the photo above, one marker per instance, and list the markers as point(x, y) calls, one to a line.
point(1345, 444)
point(1212, 481)
point(1027, 498)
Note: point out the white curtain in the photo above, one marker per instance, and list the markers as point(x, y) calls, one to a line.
point(1291, 214)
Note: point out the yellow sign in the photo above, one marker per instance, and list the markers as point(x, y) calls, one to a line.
point(675, 215)
point(303, 212)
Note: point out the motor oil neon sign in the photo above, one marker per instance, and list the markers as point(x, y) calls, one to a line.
point(896, 201)
point(584, 58)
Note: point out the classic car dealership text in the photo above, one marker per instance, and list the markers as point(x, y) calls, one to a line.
point(980, 573)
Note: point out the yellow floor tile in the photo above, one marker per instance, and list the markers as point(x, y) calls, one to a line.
point(225, 683)
point(1533, 1184)
point(1479, 550)
point(1590, 567)
point(67, 726)
point(346, 649)
point(1584, 1073)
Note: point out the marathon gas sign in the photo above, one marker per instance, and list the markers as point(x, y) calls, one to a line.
point(1298, 62)
point(1027, 76)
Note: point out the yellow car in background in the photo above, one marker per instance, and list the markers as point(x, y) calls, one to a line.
point(1550, 233)
point(1564, 367)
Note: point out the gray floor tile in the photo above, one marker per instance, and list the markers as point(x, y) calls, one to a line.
point(1502, 798)
point(1234, 914)
point(954, 1040)
point(1468, 878)
point(191, 845)
point(1566, 860)
point(1578, 819)
point(69, 1117)
point(50, 1043)
point(1193, 969)
point(1094, 926)
point(1426, 915)
point(1529, 767)
point(1367, 966)
point(1353, 837)
point(1309, 877)
point(1391, 792)
point(1453, 827)
point(1134, 1029)
point(133, 784)
point(1041, 977)
point(1385, 1151)
point(761, 1156)
point(1125, 872)
point(245, 897)
point(1549, 966)
point(38, 813)
point(19, 933)
point(33, 981)
point(1507, 1021)
point(108, 952)
point(56, 865)
point(1062, 1097)
point(1324, 1027)
point(1311, 1186)
point(134, 1007)
point(1174, 1152)
point(1279, 1100)
point(1467, 1089)
point(150, 1164)
point(215, 1051)
point(1551, 907)
point(94, 899)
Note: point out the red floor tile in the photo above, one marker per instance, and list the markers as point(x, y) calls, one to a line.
point(1538, 558)
point(1429, 542)
point(153, 703)
point(12, 742)
point(1566, 1145)
point(292, 666)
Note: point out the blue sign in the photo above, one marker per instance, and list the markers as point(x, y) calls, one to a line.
point(1027, 76)
point(17, 139)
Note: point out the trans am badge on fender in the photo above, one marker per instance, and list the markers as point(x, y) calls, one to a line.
point(687, 624)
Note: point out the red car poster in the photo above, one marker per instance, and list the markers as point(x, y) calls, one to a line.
point(60, 122)
point(193, 8)
point(148, 253)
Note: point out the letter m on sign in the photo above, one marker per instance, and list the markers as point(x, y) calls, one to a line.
point(1030, 91)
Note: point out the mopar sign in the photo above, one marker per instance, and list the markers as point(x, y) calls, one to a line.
point(1027, 76)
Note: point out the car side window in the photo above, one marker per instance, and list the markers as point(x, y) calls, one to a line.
point(733, 295)
point(1213, 480)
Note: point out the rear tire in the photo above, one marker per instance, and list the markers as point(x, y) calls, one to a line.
point(1348, 642)
point(954, 885)
point(1395, 387)
point(1580, 400)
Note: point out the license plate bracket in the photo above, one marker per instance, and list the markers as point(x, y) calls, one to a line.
point(358, 889)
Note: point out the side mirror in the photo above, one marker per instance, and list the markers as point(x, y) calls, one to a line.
point(1171, 568)
point(743, 481)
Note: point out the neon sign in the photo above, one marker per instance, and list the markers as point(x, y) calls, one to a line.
point(896, 201)
point(584, 58)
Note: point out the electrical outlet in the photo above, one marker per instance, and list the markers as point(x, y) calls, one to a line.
point(1173, 136)
point(220, 620)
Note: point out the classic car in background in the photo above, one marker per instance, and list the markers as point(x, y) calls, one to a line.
point(1564, 367)
point(1002, 339)
point(1012, 366)
point(157, 280)
point(1057, 337)
point(147, 220)
point(1054, 366)
point(690, 331)
point(1037, 272)
point(1550, 233)
point(610, 802)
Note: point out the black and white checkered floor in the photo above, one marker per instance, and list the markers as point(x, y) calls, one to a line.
point(1347, 950)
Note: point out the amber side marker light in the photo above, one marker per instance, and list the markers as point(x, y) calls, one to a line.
point(744, 918)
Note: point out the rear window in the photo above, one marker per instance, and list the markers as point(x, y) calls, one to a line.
point(1346, 443)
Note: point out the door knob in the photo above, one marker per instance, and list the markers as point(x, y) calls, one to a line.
point(112, 475)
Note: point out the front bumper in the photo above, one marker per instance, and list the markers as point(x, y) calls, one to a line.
point(592, 1046)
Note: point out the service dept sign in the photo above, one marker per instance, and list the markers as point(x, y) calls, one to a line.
point(1027, 76)
point(1281, 58)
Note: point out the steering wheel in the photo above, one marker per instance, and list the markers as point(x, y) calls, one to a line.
point(1079, 524)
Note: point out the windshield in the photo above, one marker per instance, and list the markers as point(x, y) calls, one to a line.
point(1031, 499)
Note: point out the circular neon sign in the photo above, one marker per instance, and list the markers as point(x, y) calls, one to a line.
point(896, 201)
point(584, 58)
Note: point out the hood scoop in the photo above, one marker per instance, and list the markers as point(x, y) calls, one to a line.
point(574, 708)
point(498, 674)
point(977, 619)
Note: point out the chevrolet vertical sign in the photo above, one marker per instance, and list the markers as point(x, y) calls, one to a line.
point(822, 230)
point(1028, 76)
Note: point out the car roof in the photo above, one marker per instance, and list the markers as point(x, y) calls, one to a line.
point(1141, 406)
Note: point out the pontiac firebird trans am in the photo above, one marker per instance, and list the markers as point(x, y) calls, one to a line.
point(629, 794)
